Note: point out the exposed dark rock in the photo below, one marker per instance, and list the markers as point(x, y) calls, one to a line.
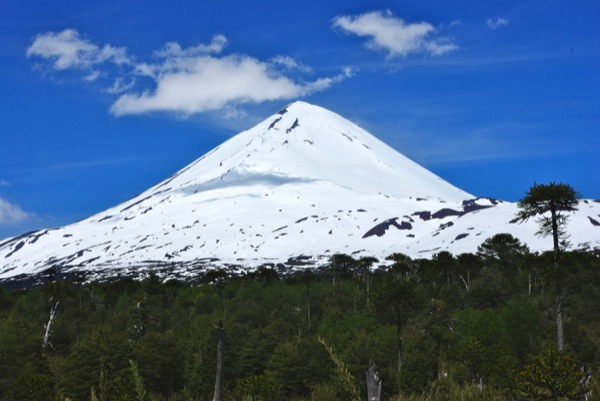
point(136, 203)
point(17, 247)
point(423, 215)
point(380, 229)
point(294, 125)
point(468, 206)
point(446, 225)
point(348, 137)
point(274, 122)
point(301, 260)
point(440, 214)
point(18, 238)
point(594, 221)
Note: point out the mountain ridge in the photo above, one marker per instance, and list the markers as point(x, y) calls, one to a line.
point(294, 189)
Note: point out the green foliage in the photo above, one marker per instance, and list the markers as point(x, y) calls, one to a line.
point(33, 387)
point(343, 373)
point(395, 298)
point(491, 289)
point(138, 383)
point(464, 323)
point(160, 362)
point(299, 365)
point(551, 376)
point(420, 363)
point(502, 247)
point(523, 327)
point(258, 388)
point(554, 198)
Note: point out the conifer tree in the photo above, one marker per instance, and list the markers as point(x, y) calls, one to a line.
point(550, 202)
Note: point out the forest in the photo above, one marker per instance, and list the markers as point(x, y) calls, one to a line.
point(456, 327)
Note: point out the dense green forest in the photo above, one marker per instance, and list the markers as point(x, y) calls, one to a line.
point(456, 327)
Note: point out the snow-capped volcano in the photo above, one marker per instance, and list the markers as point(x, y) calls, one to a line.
point(306, 144)
point(298, 187)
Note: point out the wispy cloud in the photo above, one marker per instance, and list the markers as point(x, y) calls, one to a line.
point(67, 50)
point(393, 35)
point(120, 86)
point(289, 64)
point(495, 23)
point(4, 183)
point(183, 81)
point(173, 49)
point(11, 213)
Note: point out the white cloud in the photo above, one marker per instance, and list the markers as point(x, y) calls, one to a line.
point(4, 183)
point(393, 35)
point(11, 213)
point(496, 23)
point(67, 50)
point(204, 83)
point(173, 49)
point(184, 81)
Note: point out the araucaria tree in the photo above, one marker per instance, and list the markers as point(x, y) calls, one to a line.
point(396, 298)
point(550, 202)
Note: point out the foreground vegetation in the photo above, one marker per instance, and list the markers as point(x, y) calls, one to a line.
point(465, 327)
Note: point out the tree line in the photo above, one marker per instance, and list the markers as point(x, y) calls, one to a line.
point(469, 323)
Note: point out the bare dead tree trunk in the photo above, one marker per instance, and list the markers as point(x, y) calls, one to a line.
point(368, 285)
point(308, 301)
point(586, 379)
point(220, 350)
point(46, 338)
point(399, 341)
point(464, 282)
point(373, 383)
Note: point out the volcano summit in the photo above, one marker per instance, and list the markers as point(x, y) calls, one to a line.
point(291, 191)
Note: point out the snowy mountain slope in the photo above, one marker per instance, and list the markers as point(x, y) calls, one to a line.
point(296, 188)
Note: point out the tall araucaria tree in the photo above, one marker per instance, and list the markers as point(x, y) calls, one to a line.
point(551, 202)
point(397, 297)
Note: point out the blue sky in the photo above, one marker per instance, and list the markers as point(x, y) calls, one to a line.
point(102, 99)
